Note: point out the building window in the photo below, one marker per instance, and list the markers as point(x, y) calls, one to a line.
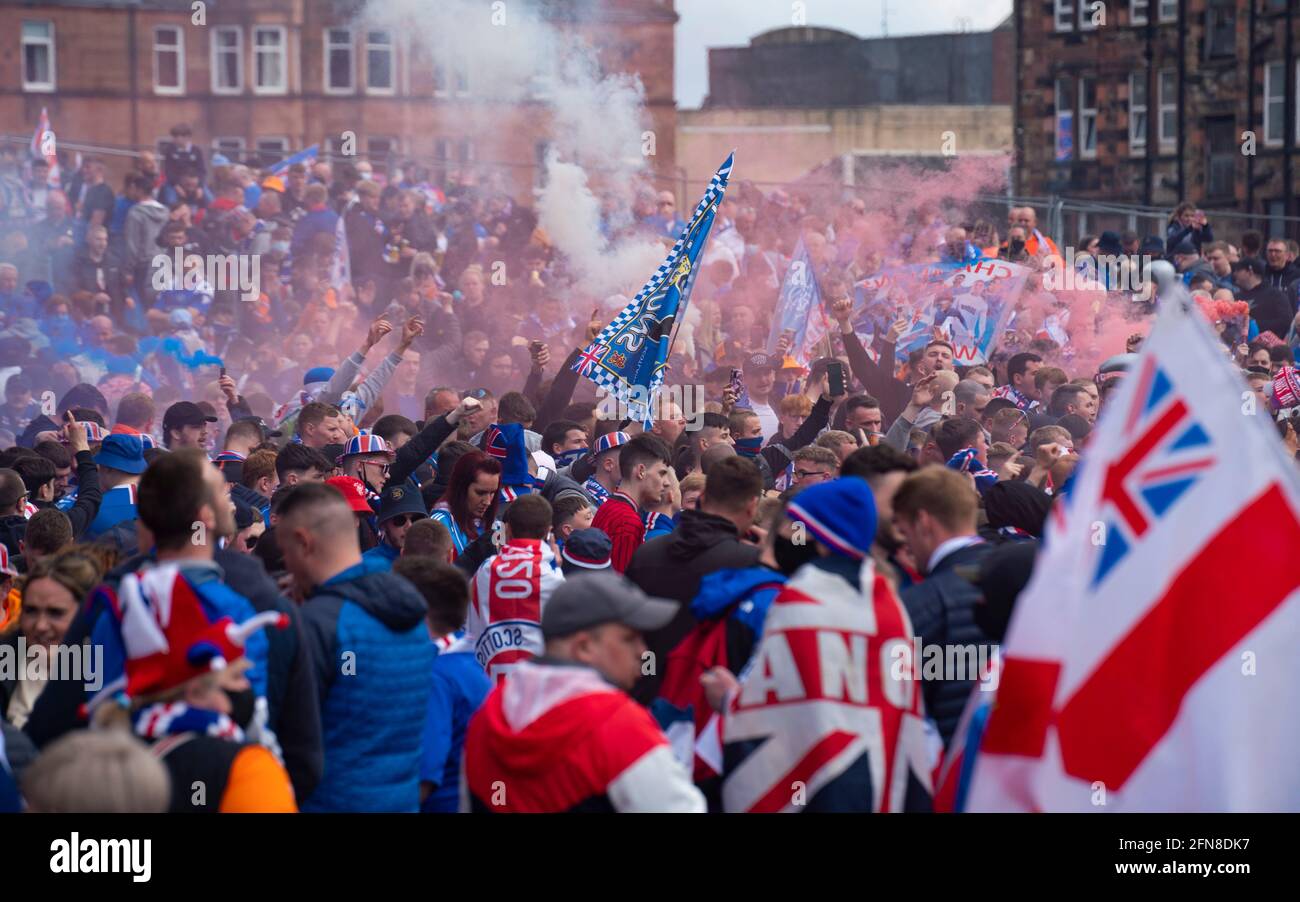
point(1064, 122)
point(230, 148)
point(1168, 99)
point(1088, 9)
point(1220, 30)
point(340, 72)
point(1064, 14)
point(1137, 12)
point(450, 72)
point(271, 151)
point(38, 56)
point(168, 60)
point(1087, 118)
point(379, 62)
point(270, 54)
point(1220, 139)
point(1168, 11)
point(1274, 102)
point(381, 152)
point(227, 60)
point(1137, 113)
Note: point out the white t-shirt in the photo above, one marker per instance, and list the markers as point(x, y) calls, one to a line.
point(767, 416)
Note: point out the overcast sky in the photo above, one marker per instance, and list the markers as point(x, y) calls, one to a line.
point(731, 23)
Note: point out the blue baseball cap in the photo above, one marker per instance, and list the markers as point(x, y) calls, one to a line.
point(122, 452)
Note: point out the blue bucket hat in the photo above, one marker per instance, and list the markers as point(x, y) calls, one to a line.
point(122, 452)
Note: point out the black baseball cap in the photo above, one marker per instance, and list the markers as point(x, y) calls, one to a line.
point(185, 413)
point(1253, 264)
point(761, 361)
point(599, 598)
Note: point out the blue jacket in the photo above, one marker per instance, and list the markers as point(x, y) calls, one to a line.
point(318, 222)
point(372, 655)
point(380, 558)
point(117, 506)
point(744, 595)
point(459, 688)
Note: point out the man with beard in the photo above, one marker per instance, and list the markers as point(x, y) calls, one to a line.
point(884, 468)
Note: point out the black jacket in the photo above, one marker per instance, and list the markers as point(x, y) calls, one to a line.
point(12, 530)
point(1281, 278)
point(877, 377)
point(82, 513)
point(1269, 308)
point(671, 567)
point(942, 610)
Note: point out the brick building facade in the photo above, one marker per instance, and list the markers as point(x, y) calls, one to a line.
point(263, 78)
point(1148, 102)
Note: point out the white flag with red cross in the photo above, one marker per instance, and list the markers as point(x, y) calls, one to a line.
point(1152, 663)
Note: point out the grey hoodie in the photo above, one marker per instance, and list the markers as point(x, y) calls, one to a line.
point(143, 224)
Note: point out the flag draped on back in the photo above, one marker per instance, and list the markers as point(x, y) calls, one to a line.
point(1151, 659)
point(629, 358)
point(43, 148)
point(799, 309)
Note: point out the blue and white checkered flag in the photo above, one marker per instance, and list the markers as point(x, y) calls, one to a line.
point(629, 358)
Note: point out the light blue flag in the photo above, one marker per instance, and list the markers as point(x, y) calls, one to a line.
point(629, 359)
point(303, 156)
point(800, 297)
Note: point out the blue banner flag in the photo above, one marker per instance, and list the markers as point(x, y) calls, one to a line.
point(629, 358)
point(799, 309)
point(307, 156)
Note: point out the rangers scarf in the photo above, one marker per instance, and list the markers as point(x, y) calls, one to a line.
point(506, 600)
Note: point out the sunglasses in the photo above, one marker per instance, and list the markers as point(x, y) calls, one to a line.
point(403, 519)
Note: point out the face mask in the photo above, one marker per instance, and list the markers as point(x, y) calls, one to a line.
point(790, 557)
point(242, 705)
point(749, 447)
point(1017, 246)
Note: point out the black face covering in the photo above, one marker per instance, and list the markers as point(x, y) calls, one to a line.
point(242, 704)
point(790, 557)
point(1016, 245)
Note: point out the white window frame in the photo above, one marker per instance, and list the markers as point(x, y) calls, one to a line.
point(1270, 101)
point(1085, 14)
point(43, 87)
point(234, 142)
point(1085, 114)
point(1064, 110)
point(330, 48)
point(1138, 11)
point(1063, 15)
point(217, 52)
point(179, 49)
point(1167, 142)
point(1168, 11)
point(391, 46)
point(283, 52)
point(1137, 143)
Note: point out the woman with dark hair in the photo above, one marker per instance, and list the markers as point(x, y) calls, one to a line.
point(470, 504)
point(1187, 222)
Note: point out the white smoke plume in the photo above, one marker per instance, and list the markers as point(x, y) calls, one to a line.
point(593, 122)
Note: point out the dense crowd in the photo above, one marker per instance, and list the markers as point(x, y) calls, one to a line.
point(356, 535)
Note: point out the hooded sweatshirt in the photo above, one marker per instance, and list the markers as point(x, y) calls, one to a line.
point(555, 736)
point(144, 224)
point(672, 567)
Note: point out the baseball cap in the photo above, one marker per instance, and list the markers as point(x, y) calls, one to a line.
point(1253, 264)
point(185, 413)
point(761, 361)
point(600, 598)
point(353, 491)
point(366, 443)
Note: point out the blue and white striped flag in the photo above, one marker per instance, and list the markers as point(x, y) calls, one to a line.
point(629, 359)
point(307, 156)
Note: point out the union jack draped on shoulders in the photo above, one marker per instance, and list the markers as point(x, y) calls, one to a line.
point(828, 716)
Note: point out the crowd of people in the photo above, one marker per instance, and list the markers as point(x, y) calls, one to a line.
point(364, 540)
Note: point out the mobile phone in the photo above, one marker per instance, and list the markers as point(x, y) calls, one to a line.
point(737, 381)
point(536, 346)
point(223, 372)
point(835, 374)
